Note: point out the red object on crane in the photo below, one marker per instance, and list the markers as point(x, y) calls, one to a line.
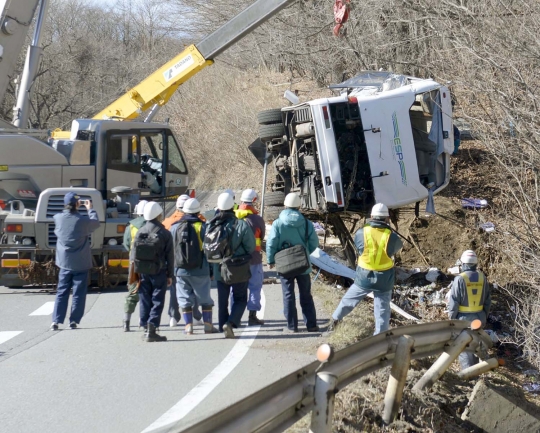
point(341, 14)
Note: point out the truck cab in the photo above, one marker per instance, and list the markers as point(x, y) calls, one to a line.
point(386, 138)
point(28, 240)
point(100, 154)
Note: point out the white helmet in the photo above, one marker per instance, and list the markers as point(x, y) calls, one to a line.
point(293, 200)
point(181, 200)
point(469, 257)
point(139, 208)
point(231, 193)
point(152, 210)
point(249, 196)
point(380, 210)
point(225, 201)
point(192, 206)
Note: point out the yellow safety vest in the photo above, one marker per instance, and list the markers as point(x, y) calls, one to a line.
point(243, 213)
point(474, 294)
point(133, 232)
point(374, 256)
point(198, 226)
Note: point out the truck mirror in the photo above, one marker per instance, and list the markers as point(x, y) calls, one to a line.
point(291, 97)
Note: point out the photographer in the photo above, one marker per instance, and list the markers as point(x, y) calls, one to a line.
point(73, 257)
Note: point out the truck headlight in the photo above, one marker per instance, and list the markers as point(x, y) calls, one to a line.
point(27, 242)
point(112, 242)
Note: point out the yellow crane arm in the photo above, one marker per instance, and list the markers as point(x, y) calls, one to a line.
point(156, 88)
point(161, 85)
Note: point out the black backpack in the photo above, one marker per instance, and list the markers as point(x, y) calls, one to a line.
point(147, 251)
point(187, 250)
point(218, 239)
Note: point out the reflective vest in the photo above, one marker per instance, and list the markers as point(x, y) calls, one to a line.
point(243, 213)
point(474, 294)
point(374, 256)
point(198, 226)
point(133, 232)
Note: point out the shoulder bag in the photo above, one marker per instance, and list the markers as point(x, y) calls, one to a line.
point(293, 261)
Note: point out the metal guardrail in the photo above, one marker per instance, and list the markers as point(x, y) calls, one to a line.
point(311, 388)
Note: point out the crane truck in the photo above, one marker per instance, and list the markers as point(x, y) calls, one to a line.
point(113, 159)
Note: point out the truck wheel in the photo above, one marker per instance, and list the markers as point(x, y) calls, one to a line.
point(271, 213)
point(269, 117)
point(268, 132)
point(275, 198)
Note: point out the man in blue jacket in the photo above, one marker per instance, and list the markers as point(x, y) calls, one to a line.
point(289, 228)
point(73, 257)
point(376, 244)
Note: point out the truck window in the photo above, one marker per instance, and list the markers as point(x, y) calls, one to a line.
point(176, 160)
point(152, 146)
point(421, 116)
point(122, 153)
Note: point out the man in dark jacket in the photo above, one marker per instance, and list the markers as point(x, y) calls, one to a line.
point(376, 244)
point(290, 229)
point(73, 257)
point(153, 287)
point(132, 228)
point(242, 243)
point(249, 214)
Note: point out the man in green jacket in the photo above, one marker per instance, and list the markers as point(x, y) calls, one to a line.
point(132, 228)
point(242, 242)
point(290, 228)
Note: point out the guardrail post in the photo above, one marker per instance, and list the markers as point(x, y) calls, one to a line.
point(398, 376)
point(323, 410)
point(443, 362)
point(480, 368)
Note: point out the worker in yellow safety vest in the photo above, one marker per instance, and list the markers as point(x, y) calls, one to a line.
point(469, 298)
point(376, 244)
point(248, 213)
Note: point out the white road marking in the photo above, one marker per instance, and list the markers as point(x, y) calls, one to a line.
point(8, 335)
point(45, 310)
point(210, 382)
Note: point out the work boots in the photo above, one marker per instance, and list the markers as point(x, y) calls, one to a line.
point(126, 325)
point(228, 330)
point(188, 319)
point(151, 335)
point(207, 319)
point(253, 320)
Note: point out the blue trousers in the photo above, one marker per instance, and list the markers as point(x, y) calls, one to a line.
point(239, 293)
point(174, 311)
point(468, 359)
point(255, 284)
point(193, 291)
point(152, 292)
point(306, 301)
point(66, 281)
point(381, 308)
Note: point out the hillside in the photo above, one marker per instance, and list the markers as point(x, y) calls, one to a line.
point(228, 123)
